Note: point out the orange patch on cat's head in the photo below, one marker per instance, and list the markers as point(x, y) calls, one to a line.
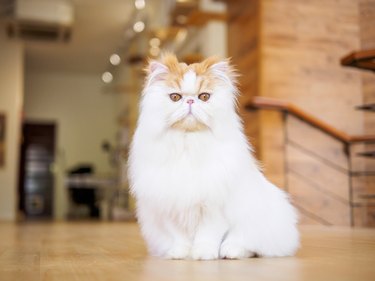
point(176, 70)
point(201, 68)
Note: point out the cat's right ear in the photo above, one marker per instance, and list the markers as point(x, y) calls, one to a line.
point(155, 71)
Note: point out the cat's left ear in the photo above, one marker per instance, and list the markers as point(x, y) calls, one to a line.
point(155, 71)
point(221, 66)
point(225, 70)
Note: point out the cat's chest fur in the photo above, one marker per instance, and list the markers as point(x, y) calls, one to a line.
point(186, 167)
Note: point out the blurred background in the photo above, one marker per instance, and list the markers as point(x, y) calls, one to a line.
point(71, 77)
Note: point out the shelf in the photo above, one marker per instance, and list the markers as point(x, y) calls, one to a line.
point(368, 107)
point(369, 154)
point(361, 59)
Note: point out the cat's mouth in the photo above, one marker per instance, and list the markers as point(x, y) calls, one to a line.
point(189, 123)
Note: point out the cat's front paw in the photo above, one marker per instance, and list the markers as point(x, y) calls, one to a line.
point(178, 252)
point(205, 252)
point(233, 251)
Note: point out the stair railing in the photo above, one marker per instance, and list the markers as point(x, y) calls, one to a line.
point(348, 141)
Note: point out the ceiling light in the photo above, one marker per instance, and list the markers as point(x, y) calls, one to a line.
point(139, 26)
point(155, 42)
point(139, 4)
point(107, 77)
point(115, 59)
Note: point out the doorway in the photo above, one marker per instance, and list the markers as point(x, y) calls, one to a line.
point(36, 178)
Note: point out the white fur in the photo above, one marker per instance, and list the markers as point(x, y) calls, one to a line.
point(188, 85)
point(200, 194)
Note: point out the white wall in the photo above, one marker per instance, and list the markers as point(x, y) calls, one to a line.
point(11, 95)
point(211, 39)
point(214, 34)
point(84, 117)
point(214, 39)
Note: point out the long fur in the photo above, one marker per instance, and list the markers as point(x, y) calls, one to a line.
point(199, 191)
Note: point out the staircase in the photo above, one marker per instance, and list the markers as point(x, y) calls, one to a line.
point(364, 60)
point(325, 174)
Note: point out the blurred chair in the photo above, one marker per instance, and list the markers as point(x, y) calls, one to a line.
point(82, 192)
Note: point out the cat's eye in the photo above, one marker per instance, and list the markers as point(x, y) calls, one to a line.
point(175, 97)
point(204, 96)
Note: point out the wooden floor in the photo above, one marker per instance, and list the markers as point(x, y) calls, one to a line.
point(115, 251)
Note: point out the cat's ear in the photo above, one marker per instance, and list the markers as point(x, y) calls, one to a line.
point(155, 71)
point(155, 66)
point(225, 70)
point(221, 66)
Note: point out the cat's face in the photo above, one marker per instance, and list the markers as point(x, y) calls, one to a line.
point(189, 97)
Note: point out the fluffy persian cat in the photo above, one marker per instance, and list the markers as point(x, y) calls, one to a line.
point(199, 191)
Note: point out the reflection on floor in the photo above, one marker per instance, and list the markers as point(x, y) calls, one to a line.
point(115, 251)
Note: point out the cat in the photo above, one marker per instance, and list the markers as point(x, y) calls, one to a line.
point(199, 191)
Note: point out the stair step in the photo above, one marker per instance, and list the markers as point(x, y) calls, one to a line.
point(369, 107)
point(370, 154)
point(362, 59)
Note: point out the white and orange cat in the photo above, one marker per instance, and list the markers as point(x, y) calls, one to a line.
point(199, 191)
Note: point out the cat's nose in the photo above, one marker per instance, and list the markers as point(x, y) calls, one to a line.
point(190, 101)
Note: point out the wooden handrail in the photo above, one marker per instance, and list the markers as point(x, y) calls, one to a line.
point(361, 59)
point(279, 105)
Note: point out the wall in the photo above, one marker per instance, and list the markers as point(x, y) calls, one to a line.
point(11, 98)
point(302, 44)
point(367, 24)
point(244, 48)
point(291, 50)
point(84, 117)
point(213, 36)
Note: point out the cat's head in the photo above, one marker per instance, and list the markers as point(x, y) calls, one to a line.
point(189, 97)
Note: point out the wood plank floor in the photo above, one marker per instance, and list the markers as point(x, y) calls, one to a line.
point(115, 251)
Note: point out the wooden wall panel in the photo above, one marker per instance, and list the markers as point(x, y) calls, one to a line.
point(360, 163)
point(302, 43)
point(306, 218)
point(317, 142)
point(364, 190)
point(243, 47)
point(364, 216)
point(367, 23)
point(332, 182)
point(317, 203)
point(272, 147)
point(367, 27)
point(291, 50)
